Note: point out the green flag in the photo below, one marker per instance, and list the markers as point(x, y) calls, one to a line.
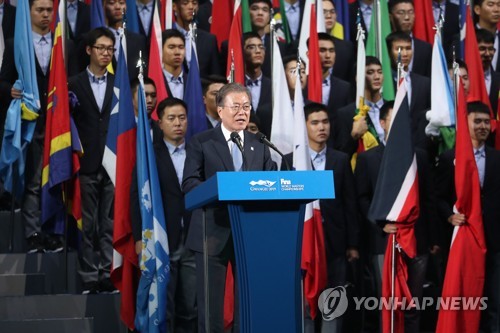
point(376, 45)
point(246, 23)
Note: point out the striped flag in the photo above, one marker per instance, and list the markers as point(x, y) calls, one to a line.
point(235, 51)
point(22, 113)
point(424, 21)
point(166, 14)
point(155, 71)
point(396, 200)
point(282, 108)
point(341, 28)
point(465, 271)
point(376, 45)
point(313, 260)
point(119, 160)
point(283, 28)
point(193, 96)
point(155, 270)
point(315, 79)
point(442, 114)
point(62, 146)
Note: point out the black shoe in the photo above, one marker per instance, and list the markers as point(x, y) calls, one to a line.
point(90, 288)
point(36, 243)
point(53, 244)
point(107, 287)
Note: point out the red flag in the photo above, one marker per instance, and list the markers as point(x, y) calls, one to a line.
point(222, 16)
point(235, 51)
point(155, 71)
point(424, 21)
point(315, 79)
point(396, 199)
point(465, 270)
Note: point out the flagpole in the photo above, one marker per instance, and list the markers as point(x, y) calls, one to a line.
point(271, 47)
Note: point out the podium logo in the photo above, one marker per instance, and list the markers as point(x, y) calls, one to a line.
point(333, 303)
point(266, 183)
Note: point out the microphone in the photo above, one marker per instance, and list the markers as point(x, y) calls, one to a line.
point(263, 139)
point(235, 137)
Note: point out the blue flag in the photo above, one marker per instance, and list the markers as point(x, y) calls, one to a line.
point(17, 134)
point(193, 96)
point(96, 15)
point(151, 312)
point(131, 17)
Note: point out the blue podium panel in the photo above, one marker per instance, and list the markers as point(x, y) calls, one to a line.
point(266, 210)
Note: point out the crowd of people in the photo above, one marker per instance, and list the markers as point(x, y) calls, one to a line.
point(354, 245)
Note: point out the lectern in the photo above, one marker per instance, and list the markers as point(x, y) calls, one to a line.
point(267, 210)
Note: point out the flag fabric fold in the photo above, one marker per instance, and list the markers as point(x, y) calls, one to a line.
point(132, 17)
point(119, 160)
point(222, 16)
point(151, 313)
point(61, 147)
point(22, 113)
point(313, 260)
point(424, 21)
point(282, 108)
point(155, 71)
point(442, 113)
point(376, 45)
point(465, 271)
point(193, 96)
point(235, 50)
point(341, 28)
point(97, 15)
point(396, 200)
point(315, 80)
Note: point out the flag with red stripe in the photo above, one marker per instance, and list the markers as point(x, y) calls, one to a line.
point(396, 200)
point(235, 51)
point(465, 270)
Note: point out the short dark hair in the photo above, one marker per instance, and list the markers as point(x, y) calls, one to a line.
point(250, 34)
point(371, 60)
point(485, 36)
point(393, 3)
point(477, 106)
point(384, 110)
point(94, 34)
point(460, 62)
point(134, 84)
point(312, 107)
point(397, 36)
point(211, 79)
point(267, 2)
point(323, 36)
point(168, 103)
point(290, 58)
point(32, 1)
point(233, 87)
point(171, 33)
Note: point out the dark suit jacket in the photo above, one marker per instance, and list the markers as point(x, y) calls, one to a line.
point(91, 123)
point(344, 60)
point(353, 15)
point(204, 16)
point(422, 57)
point(8, 21)
point(82, 23)
point(366, 174)
point(207, 153)
point(265, 108)
point(340, 96)
point(495, 86)
point(8, 75)
point(342, 128)
point(451, 25)
point(208, 54)
point(340, 214)
point(489, 195)
point(172, 199)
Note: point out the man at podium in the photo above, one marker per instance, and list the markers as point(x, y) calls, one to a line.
point(227, 147)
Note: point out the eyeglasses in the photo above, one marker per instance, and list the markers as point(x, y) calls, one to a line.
point(331, 11)
point(236, 108)
point(102, 48)
point(253, 47)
